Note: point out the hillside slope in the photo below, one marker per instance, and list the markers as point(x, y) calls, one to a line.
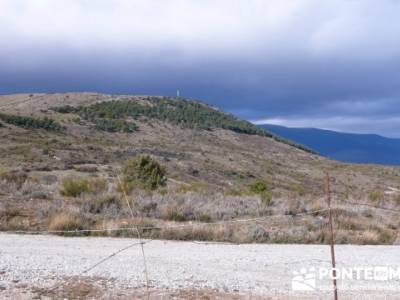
point(347, 147)
point(212, 171)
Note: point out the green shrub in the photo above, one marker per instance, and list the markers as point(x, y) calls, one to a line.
point(29, 122)
point(102, 120)
point(260, 187)
point(72, 187)
point(375, 196)
point(144, 172)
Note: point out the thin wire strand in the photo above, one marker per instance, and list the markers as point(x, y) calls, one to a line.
point(397, 211)
point(103, 260)
point(265, 218)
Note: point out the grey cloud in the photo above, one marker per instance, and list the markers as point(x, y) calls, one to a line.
point(304, 60)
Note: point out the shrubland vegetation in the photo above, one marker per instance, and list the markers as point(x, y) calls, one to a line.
point(143, 172)
point(96, 202)
point(187, 114)
point(113, 125)
point(17, 177)
point(29, 122)
point(74, 187)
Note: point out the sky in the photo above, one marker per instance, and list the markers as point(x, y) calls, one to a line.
point(300, 63)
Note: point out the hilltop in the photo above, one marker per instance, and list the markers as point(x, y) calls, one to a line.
point(218, 167)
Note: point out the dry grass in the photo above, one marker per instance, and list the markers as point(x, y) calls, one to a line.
point(14, 177)
point(109, 205)
point(66, 221)
point(102, 208)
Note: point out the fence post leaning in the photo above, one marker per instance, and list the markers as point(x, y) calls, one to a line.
point(330, 229)
point(138, 234)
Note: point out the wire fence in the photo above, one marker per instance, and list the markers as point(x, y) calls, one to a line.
point(141, 243)
point(174, 226)
point(191, 224)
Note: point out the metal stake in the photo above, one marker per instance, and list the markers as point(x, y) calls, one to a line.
point(331, 241)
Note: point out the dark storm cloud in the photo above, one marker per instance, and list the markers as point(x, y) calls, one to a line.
point(330, 64)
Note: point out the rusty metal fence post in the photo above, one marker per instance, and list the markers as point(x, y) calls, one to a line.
point(330, 229)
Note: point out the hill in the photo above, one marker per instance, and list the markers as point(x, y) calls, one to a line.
point(67, 160)
point(347, 147)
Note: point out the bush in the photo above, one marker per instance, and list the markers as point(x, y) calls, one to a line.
point(144, 172)
point(74, 187)
point(260, 187)
point(375, 196)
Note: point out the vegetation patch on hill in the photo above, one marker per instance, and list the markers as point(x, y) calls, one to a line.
point(114, 125)
point(184, 113)
point(29, 122)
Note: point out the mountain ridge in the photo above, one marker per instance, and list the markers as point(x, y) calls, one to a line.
point(342, 146)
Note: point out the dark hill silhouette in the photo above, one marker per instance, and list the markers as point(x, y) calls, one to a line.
point(347, 147)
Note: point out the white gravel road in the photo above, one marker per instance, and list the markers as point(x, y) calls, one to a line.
point(266, 270)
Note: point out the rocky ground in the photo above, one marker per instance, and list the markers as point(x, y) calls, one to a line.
point(50, 267)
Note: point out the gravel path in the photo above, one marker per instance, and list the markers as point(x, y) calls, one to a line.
point(42, 261)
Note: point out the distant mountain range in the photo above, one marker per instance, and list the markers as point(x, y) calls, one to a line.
point(347, 147)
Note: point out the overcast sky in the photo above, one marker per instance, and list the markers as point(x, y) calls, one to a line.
point(307, 63)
